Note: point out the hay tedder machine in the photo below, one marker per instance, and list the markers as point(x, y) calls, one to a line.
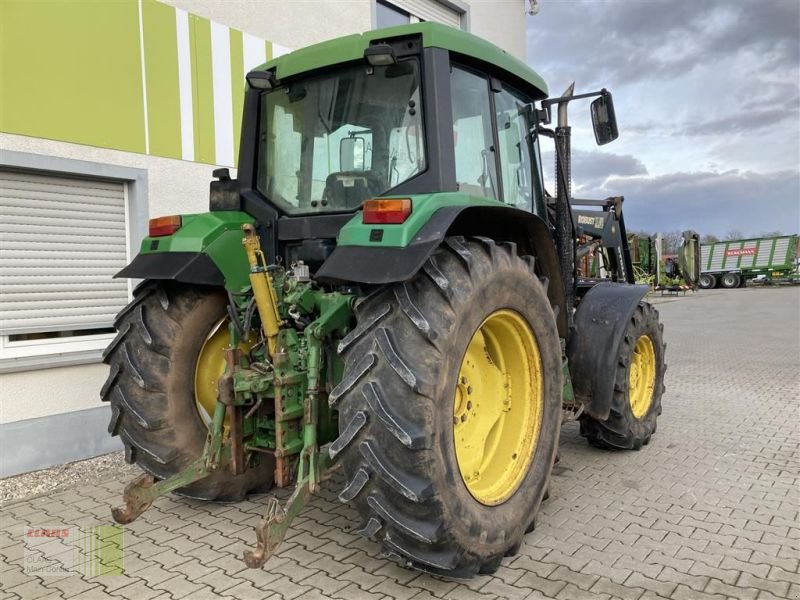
point(387, 289)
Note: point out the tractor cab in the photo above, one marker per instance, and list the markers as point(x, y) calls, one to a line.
point(401, 113)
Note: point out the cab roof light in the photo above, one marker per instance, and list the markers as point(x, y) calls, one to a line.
point(386, 211)
point(380, 55)
point(161, 226)
point(261, 80)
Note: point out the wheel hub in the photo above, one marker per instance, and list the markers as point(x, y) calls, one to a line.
point(497, 408)
point(210, 367)
point(642, 376)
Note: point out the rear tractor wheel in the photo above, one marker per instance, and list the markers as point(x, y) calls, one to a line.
point(450, 407)
point(162, 385)
point(638, 386)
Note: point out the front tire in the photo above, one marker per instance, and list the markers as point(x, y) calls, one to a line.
point(151, 387)
point(399, 398)
point(638, 386)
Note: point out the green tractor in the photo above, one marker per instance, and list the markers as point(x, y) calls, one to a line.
point(386, 288)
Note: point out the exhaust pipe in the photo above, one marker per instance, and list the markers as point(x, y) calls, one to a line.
point(565, 229)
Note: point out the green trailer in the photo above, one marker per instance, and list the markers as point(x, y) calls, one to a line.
point(731, 263)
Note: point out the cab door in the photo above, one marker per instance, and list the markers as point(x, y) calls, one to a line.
point(520, 161)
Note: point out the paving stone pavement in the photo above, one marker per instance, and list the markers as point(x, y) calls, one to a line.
point(709, 510)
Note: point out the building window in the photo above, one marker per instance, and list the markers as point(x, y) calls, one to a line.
point(63, 236)
point(401, 12)
point(388, 15)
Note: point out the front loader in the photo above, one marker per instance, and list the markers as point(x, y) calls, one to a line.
point(386, 288)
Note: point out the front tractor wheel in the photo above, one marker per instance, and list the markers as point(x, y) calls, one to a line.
point(164, 366)
point(450, 407)
point(638, 386)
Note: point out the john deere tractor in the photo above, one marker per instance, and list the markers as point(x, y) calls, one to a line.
point(387, 289)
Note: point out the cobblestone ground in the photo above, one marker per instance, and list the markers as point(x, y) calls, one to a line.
point(708, 510)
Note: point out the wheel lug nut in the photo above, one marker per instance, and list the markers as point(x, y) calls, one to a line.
point(463, 418)
point(463, 381)
point(455, 420)
point(469, 405)
point(469, 389)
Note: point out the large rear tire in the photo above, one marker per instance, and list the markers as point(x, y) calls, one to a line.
point(638, 386)
point(419, 368)
point(151, 386)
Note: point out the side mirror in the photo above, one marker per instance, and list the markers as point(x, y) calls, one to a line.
point(352, 152)
point(604, 121)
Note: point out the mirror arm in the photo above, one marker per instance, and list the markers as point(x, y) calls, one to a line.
point(550, 101)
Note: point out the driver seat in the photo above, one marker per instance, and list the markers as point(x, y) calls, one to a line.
point(349, 189)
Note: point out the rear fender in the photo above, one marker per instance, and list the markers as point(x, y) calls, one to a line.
point(206, 250)
point(593, 348)
point(380, 263)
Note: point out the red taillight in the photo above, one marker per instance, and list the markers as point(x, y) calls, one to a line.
point(161, 226)
point(388, 211)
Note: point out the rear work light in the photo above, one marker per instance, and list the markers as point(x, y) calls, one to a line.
point(162, 226)
point(389, 211)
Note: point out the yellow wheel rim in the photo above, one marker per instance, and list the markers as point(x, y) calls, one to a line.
point(497, 411)
point(210, 367)
point(642, 376)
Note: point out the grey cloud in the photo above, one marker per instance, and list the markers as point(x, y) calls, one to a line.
point(709, 82)
point(710, 202)
point(590, 169)
point(743, 121)
point(616, 41)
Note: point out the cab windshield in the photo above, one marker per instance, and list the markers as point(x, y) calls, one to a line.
point(329, 142)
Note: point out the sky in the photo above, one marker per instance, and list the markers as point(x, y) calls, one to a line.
point(707, 98)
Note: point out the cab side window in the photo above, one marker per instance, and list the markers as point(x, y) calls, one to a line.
point(515, 150)
point(476, 171)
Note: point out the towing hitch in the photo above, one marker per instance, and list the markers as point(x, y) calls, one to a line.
point(272, 528)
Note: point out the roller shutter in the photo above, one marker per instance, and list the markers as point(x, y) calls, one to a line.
point(61, 241)
point(430, 10)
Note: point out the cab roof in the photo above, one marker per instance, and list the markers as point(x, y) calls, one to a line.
point(434, 35)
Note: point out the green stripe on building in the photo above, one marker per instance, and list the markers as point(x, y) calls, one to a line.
point(71, 71)
point(202, 89)
point(237, 88)
point(161, 69)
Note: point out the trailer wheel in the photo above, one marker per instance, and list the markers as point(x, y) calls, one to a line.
point(164, 364)
point(638, 387)
point(731, 280)
point(707, 281)
point(450, 407)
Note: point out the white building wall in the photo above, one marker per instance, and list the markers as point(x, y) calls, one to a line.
point(501, 22)
point(291, 24)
